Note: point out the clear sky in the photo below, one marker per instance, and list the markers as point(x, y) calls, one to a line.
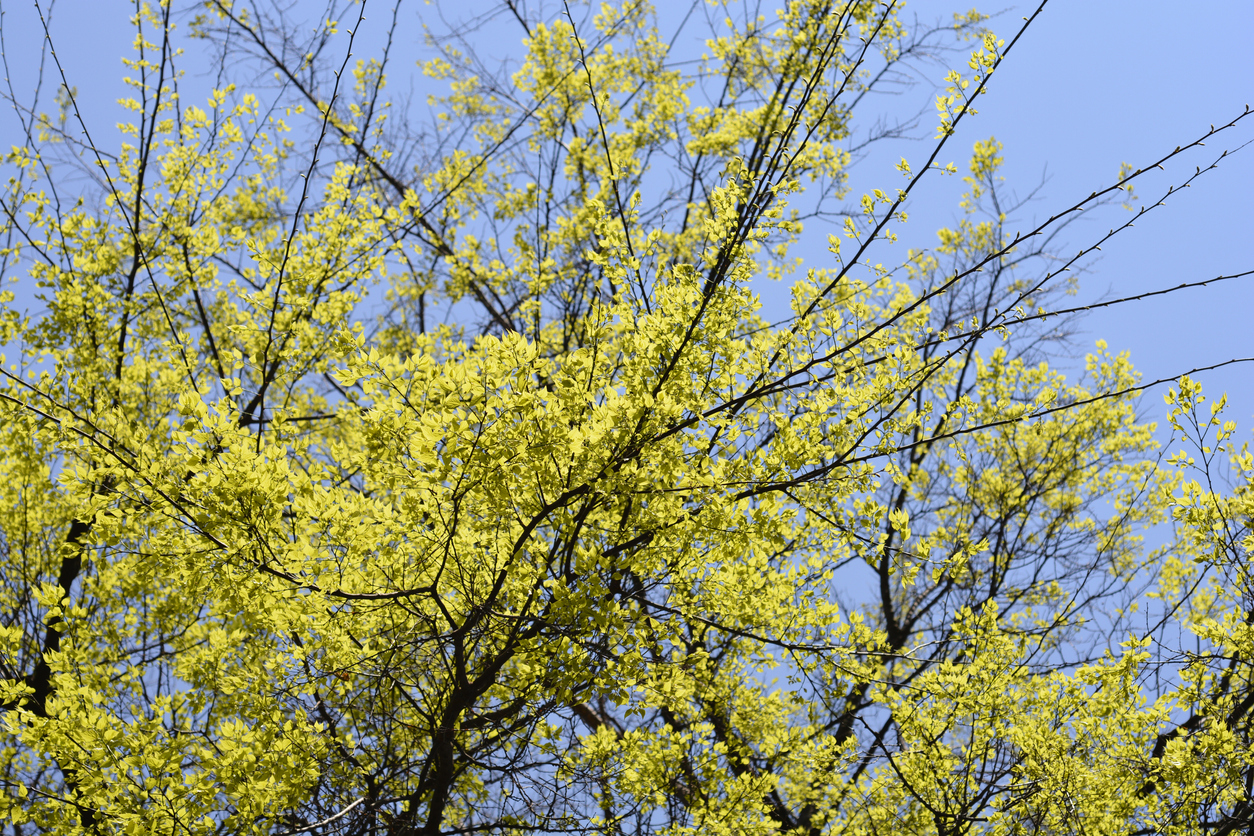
point(1094, 83)
point(1098, 82)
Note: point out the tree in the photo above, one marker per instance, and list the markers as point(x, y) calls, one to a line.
point(285, 553)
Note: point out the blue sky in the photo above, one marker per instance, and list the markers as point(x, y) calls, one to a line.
point(1091, 85)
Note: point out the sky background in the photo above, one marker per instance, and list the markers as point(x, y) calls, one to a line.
point(1093, 83)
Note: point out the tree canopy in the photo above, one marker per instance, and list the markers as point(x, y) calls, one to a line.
point(371, 475)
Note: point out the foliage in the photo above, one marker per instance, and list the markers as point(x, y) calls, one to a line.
point(603, 550)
